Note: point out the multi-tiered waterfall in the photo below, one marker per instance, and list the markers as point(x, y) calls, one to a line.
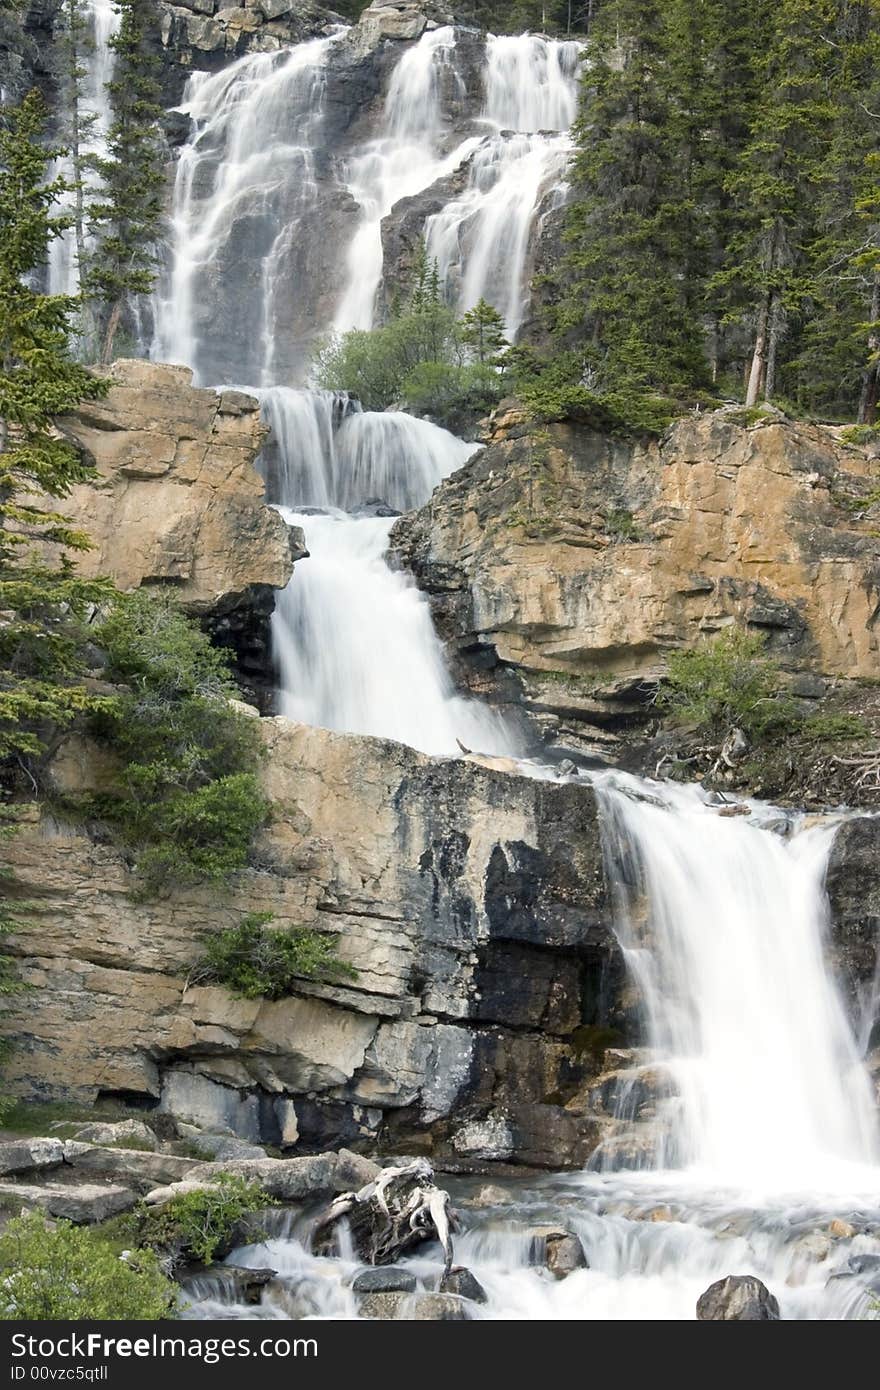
point(754, 1137)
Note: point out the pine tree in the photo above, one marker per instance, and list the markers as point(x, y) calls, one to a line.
point(777, 182)
point(482, 330)
point(78, 127)
point(836, 363)
point(128, 215)
point(39, 602)
point(627, 300)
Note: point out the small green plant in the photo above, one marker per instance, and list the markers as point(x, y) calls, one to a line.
point(829, 728)
point(200, 1225)
point(750, 415)
point(57, 1271)
point(255, 961)
point(189, 802)
point(724, 684)
point(620, 525)
point(860, 434)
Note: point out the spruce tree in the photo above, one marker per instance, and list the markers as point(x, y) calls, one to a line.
point(75, 40)
point(40, 602)
point(482, 331)
point(626, 299)
point(128, 214)
point(777, 182)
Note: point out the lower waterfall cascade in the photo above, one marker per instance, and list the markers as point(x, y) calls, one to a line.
point(756, 1150)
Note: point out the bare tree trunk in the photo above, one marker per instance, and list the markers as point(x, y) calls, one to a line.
point(775, 325)
point(759, 356)
point(110, 335)
point(871, 375)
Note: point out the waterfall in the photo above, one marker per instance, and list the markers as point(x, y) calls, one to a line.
point(481, 239)
point(723, 922)
point(244, 188)
point(95, 119)
point(354, 641)
point(279, 201)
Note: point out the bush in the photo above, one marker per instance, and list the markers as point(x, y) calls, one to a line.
point(65, 1272)
point(725, 684)
point(189, 801)
point(200, 1225)
point(256, 961)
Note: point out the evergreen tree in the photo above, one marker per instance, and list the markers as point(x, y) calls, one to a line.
point(39, 602)
point(482, 331)
point(78, 126)
point(627, 293)
point(777, 182)
point(128, 215)
point(836, 364)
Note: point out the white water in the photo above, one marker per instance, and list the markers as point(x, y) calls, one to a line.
point(248, 112)
point(354, 640)
point(260, 178)
point(481, 239)
point(95, 120)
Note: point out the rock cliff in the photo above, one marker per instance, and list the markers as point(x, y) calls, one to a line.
point(471, 903)
point(564, 566)
point(180, 502)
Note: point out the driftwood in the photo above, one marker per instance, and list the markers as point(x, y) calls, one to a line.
point(401, 1208)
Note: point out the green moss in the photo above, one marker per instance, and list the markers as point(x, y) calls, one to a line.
point(750, 415)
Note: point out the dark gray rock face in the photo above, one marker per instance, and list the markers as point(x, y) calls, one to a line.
point(853, 884)
point(738, 1298)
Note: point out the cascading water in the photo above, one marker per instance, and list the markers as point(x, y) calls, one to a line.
point(354, 640)
point(723, 924)
point(480, 241)
point(102, 23)
point(760, 1131)
point(245, 186)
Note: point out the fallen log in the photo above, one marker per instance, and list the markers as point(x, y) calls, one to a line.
point(402, 1208)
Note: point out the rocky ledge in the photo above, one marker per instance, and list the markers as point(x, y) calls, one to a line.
point(564, 565)
point(179, 502)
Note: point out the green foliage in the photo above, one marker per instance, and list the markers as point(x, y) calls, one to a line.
point(861, 434)
point(725, 684)
point(256, 961)
point(423, 358)
point(42, 603)
point(64, 1272)
point(128, 212)
point(619, 524)
point(833, 728)
point(188, 799)
point(200, 1225)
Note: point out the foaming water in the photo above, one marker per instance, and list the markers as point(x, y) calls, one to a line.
point(724, 921)
point(481, 239)
point(251, 158)
point(353, 638)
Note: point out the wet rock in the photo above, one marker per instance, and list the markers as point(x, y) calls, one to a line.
point(440, 1307)
point(841, 1230)
point(491, 1196)
point(388, 1280)
point(738, 1298)
point(236, 1282)
point(384, 1306)
point(560, 1251)
point(464, 1284)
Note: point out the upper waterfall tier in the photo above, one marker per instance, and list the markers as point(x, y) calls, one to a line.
point(299, 163)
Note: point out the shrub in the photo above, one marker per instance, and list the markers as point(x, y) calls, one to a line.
point(65, 1272)
point(256, 961)
point(200, 1225)
point(724, 684)
point(189, 800)
point(861, 434)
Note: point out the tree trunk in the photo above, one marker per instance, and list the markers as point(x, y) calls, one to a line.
point(871, 375)
point(774, 319)
point(403, 1208)
point(110, 335)
point(759, 356)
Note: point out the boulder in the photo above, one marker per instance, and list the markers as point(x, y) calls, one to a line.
point(558, 1250)
point(463, 1284)
point(388, 1280)
point(428, 1307)
point(738, 1298)
point(30, 1155)
point(85, 1203)
point(129, 1134)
